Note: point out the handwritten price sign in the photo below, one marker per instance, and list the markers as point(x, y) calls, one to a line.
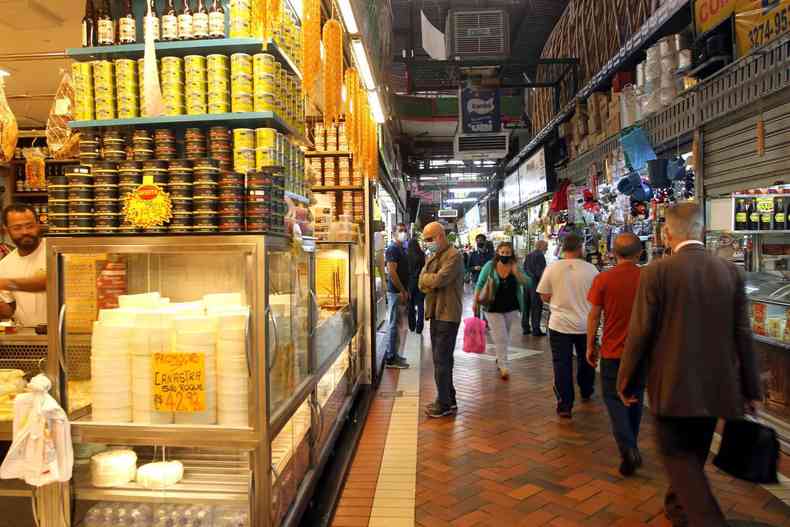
point(179, 382)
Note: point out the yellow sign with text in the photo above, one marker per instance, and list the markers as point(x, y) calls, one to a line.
point(758, 22)
point(179, 382)
point(710, 13)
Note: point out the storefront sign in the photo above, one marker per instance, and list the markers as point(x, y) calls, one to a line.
point(758, 22)
point(510, 190)
point(710, 13)
point(179, 382)
point(148, 206)
point(533, 180)
point(481, 110)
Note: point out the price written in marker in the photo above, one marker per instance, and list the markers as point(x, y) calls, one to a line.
point(179, 382)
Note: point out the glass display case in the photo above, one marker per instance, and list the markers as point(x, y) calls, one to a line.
point(769, 295)
point(194, 355)
point(336, 298)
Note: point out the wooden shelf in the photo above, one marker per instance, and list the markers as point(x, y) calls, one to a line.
point(31, 194)
point(338, 188)
point(49, 162)
point(327, 154)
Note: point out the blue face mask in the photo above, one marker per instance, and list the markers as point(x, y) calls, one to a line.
point(432, 247)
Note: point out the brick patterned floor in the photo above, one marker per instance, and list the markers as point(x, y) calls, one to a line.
point(505, 460)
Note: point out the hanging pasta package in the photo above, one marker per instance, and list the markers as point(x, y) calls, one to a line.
point(333, 71)
point(311, 46)
point(9, 131)
point(348, 108)
point(62, 141)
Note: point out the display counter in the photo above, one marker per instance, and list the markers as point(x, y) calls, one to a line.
point(769, 295)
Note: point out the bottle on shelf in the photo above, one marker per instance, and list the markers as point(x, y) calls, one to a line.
point(169, 22)
point(154, 20)
point(767, 214)
point(105, 25)
point(216, 20)
point(88, 26)
point(200, 21)
point(754, 215)
point(127, 26)
point(780, 214)
point(186, 30)
point(741, 215)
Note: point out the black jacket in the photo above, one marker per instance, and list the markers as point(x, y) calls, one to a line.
point(534, 265)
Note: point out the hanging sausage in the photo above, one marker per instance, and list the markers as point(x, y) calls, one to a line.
point(9, 131)
point(333, 71)
point(311, 46)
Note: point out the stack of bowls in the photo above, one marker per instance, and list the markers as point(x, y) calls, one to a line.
point(232, 368)
point(111, 373)
point(198, 334)
point(153, 335)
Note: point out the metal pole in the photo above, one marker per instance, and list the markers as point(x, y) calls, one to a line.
point(47, 55)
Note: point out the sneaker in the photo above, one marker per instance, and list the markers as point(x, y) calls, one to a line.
point(638, 458)
point(504, 374)
point(436, 410)
point(454, 406)
point(563, 413)
point(397, 363)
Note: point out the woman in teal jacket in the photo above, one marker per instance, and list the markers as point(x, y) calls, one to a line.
point(506, 304)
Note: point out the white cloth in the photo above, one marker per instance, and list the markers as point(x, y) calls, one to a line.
point(31, 308)
point(433, 41)
point(501, 325)
point(568, 282)
point(41, 452)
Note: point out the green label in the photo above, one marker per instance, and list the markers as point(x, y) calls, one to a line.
point(779, 218)
point(755, 217)
point(765, 204)
point(740, 217)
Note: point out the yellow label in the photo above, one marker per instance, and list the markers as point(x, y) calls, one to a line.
point(148, 206)
point(741, 216)
point(710, 13)
point(758, 22)
point(779, 218)
point(765, 204)
point(179, 382)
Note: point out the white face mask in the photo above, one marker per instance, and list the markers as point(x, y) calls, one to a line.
point(402, 236)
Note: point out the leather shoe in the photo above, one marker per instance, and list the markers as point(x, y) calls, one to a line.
point(629, 463)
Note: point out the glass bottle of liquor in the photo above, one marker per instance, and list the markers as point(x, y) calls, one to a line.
point(88, 26)
point(741, 215)
point(169, 22)
point(127, 26)
point(154, 20)
point(200, 21)
point(780, 214)
point(767, 214)
point(216, 20)
point(754, 215)
point(185, 25)
point(105, 25)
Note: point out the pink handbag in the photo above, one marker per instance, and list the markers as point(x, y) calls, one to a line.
point(474, 335)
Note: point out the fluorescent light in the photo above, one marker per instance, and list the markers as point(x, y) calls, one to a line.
point(376, 108)
point(361, 58)
point(347, 14)
point(467, 190)
point(4, 73)
point(460, 200)
point(429, 178)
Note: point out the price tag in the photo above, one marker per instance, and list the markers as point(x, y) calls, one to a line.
point(765, 204)
point(179, 382)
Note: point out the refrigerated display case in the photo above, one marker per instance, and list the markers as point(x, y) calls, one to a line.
point(241, 305)
point(769, 295)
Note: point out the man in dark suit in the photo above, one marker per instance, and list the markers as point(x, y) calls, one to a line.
point(690, 330)
point(534, 265)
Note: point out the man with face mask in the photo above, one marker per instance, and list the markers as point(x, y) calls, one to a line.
point(23, 273)
point(479, 257)
point(397, 297)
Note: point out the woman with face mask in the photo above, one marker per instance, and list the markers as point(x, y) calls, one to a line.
point(506, 303)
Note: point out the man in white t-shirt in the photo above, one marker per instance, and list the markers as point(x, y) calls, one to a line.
point(564, 286)
point(23, 273)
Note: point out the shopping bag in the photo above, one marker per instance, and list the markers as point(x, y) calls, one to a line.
point(474, 335)
point(486, 295)
point(749, 451)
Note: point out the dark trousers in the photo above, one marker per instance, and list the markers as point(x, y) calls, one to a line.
point(684, 444)
point(625, 419)
point(416, 308)
point(562, 347)
point(534, 312)
point(443, 335)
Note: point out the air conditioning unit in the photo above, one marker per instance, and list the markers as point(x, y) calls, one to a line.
point(482, 146)
point(478, 34)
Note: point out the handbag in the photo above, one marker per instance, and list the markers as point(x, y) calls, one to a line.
point(487, 293)
point(749, 451)
point(474, 335)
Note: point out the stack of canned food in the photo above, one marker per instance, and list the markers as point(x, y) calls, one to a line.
point(142, 145)
point(104, 89)
point(58, 202)
point(220, 147)
point(265, 201)
point(113, 146)
point(240, 19)
point(82, 77)
point(195, 144)
point(106, 195)
point(195, 90)
point(241, 85)
point(172, 73)
point(126, 88)
point(243, 150)
point(231, 201)
point(217, 73)
point(89, 147)
point(179, 185)
point(165, 144)
point(80, 200)
point(206, 197)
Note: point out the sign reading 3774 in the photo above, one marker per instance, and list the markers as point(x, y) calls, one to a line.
point(758, 22)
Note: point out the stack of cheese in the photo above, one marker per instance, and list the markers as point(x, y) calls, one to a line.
point(12, 382)
point(198, 334)
point(113, 468)
point(111, 369)
point(232, 367)
point(152, 335)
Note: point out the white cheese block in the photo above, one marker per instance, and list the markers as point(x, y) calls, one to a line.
point(160, 475)
point(113, 468)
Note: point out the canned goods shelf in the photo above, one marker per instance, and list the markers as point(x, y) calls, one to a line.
point(283, 58)
point(297, 197)
point(31, 194)
point(231, 120)
point(337, 187)
point(181, 48)
point(320, 153)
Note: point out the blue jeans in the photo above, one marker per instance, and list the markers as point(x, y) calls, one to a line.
point(397, 326)
point(562, 348)
point(625, 419)
point(416, 308)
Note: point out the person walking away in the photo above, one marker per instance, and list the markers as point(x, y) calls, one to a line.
point(612, 295)
point(690, 329)
point(397, 298)
point(442, 281)
point(508, 303)
point(565, 285)
point(534, 265)
point(479, 257)
point(416, 258)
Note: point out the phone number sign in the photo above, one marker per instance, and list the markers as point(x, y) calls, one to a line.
point(179, 382)
point(758, 22)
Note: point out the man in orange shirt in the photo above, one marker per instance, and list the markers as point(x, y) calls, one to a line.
point(612, 294)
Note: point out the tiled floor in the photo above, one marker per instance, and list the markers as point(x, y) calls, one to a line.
point(506, 460)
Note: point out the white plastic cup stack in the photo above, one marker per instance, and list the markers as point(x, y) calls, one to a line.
point(111, 389)
point(232, 369)
point(199, 335)
point(153, 335)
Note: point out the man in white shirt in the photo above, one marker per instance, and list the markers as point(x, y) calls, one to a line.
point(23, 273)
point(564, 286)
